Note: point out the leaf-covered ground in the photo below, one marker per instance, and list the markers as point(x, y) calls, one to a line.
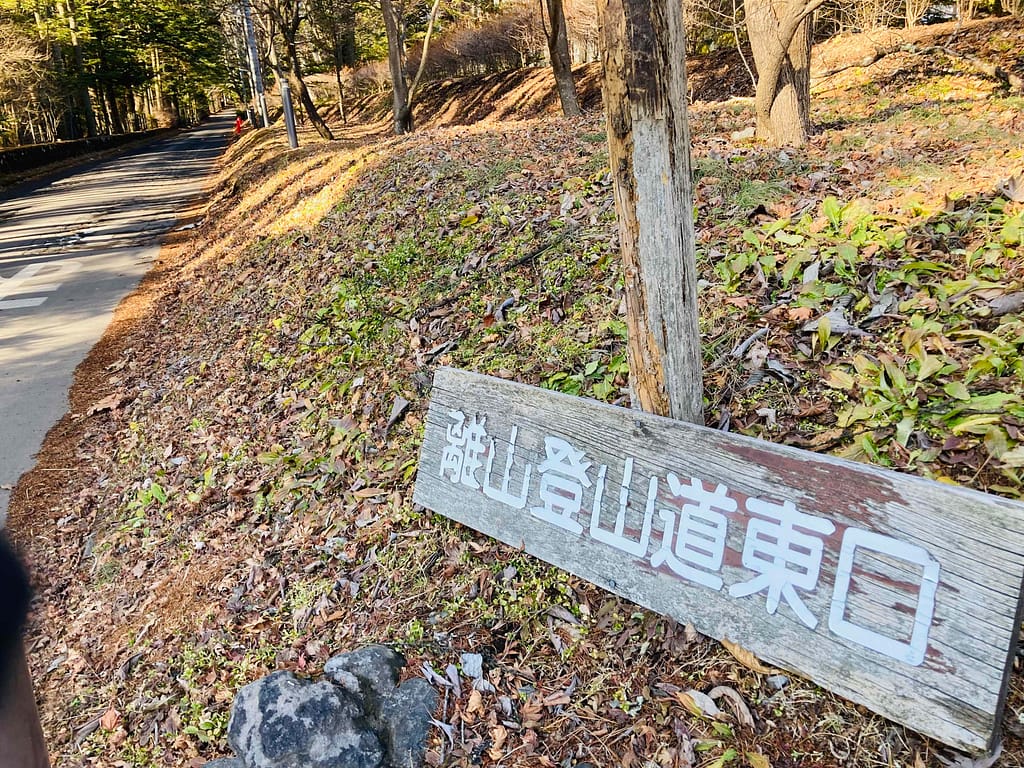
point(231, 492)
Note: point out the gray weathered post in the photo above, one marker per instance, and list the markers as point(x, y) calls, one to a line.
point(289, 114)
point(649, 147)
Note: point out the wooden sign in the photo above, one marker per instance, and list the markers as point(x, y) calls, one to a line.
point(893, 591)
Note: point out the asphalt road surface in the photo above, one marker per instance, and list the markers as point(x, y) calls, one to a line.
point(70, 249)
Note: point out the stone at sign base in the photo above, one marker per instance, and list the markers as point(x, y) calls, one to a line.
point(358, 717)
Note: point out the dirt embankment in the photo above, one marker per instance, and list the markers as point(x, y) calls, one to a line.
point(231, 489)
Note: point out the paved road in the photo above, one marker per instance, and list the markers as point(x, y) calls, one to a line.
point(70, 249)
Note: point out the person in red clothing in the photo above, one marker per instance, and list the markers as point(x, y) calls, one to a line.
point(238, 125)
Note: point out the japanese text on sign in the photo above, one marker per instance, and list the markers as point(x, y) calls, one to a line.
point(782, 546)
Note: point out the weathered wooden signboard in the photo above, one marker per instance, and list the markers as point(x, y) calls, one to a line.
point(893, 591)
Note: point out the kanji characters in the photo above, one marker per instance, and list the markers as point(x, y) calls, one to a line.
point(912, 652)
point(782, 549)
point(618, 538)
point(563, 478)
point(503, 494)
point(699, 536)
point(465, 445)
point(784, 558)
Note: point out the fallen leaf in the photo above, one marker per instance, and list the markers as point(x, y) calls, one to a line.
point(476, 703)
point(738, 705)
point(366, 493)
point(698, 703)
point(745, 657)
point(1012, 188)
point(110, 719)
point(108, 403)
point(559, 698)
point(799, 314)
point(1007, 304)
point(757, 760)
point(397, 409)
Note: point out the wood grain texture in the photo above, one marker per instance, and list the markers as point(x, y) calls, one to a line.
point(644, 64)
point(972, 544)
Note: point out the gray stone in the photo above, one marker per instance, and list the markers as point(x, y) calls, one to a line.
point(225, 762)
point(472, 665)
point(405, 717)
point(376, 667)
point(400, 715)
point(284, 722)
point(777, 682)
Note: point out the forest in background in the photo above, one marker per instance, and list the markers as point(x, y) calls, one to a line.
point(76, 68)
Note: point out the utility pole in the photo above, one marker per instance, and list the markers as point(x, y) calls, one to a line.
point(254, 61)
point(289, 114)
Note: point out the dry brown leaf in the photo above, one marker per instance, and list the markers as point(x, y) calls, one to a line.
point(745, 657)
point(799, 314)
point(476, 703)
point(108, 403)
point(738, 705)
point(110, 719)
point(698, 703)
point(366, 493)
point(499, 735)
point(559, 698)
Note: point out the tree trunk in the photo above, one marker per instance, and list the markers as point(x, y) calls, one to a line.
point(649, 150)
point(339, 55)
point(298, 85)
point(116, 120)
point(68, 12)
point(561, 62)
point(780, 39)
point(395, 29)
point(341, 96)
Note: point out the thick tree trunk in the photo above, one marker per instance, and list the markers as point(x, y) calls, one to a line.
point(649, 148)
point(395, 29)
point(114, 110)
point(68, 13)
point(780, 39)
point(561, 62)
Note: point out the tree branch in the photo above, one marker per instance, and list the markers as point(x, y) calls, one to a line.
point(423, 55)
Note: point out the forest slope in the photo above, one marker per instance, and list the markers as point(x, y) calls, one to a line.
point(231, 492)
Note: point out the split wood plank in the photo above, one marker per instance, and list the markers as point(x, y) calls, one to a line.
point(893, 591)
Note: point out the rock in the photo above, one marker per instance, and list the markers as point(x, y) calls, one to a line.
point(746, 133)
point(284, 722)
point(405, 717)
point(777, 682)
point(376, 667)
point(225, 762)
point(472, 665)
point(399, 714)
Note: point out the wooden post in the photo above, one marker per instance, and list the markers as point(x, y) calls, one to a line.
point(649, 150)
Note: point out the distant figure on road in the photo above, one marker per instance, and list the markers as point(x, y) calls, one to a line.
point(238, 125)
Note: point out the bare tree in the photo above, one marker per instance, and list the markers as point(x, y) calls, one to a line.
point(333, 24)
point(403, 92)
point(561, 64)
point(285, 17)
point(780, 39)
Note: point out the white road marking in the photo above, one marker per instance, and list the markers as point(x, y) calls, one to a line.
point(22, 282)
